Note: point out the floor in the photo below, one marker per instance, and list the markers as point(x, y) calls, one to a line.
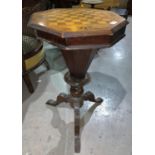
point(106, 129)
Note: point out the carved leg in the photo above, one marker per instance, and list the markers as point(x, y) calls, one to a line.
point(47, 64)
point(77, 128)
point(28, 83)
point(90, 97)
point(60, 98)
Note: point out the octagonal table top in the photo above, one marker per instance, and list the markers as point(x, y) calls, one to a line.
point(74, 22)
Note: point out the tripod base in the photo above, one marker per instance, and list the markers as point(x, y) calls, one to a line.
point(76, 99)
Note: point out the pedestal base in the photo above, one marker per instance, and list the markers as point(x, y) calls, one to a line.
point(76, 98)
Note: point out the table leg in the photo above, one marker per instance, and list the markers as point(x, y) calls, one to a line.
point(77, 127)
point(76, 99)
point(28, 83)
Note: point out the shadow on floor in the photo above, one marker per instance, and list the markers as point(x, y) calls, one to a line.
point(107, 87)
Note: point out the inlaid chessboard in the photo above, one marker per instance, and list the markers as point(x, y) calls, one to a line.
point(77, 20)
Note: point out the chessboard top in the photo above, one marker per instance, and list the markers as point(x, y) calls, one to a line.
point(74, 22)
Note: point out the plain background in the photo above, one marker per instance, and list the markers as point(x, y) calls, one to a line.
point(143, 74)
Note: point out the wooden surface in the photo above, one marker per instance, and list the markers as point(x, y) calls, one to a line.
point(77, 22)
point(78, 61)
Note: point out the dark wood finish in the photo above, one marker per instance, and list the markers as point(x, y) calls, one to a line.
point(78, 61)
point(32, 3)
point(77, 127)
point(64, 3)
point(28, 83)
point(47, 64)
point(85, 42)
point(86, 35)
point(78, 33)
point(29, 3)
point(129, 7)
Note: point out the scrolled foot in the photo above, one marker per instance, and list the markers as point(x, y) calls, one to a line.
point(52, 102)
point(60, 98)
point(91, 97)
point(99, 100)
